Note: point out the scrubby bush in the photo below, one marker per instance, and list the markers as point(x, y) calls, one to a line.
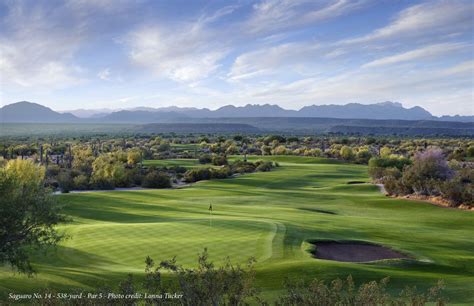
point(178, 169)
point(363, 156)
point(428, 169)
point(221, 173)
point(346, 153)
point(280, 150)
point(460, 189)
point(240, 166)
point(263, 166)
point(52, 170)
point(156, 179)
point(65, 181)
point(81, 182)
point(197, 174)
point(385, 152)
point(377, 165)
point(429, 175)
point(340, 292)
point(470, 151)
point(103, 184)
point(205, 159)
point(219, 160)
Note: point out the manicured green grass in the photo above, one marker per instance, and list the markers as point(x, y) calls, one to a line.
point(190, 147)
point(266, 215)
point(183, 162)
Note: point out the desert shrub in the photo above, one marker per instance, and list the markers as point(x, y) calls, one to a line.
point(274, 138)
point(314, 152)
point(455, 193)
point(81, 182)
point(221, 173)
point(340, 292)
point(178, 169)
point(65, 181)
point(52, 170)
point(460, 189)
point(156, 179)
point(232, 149)
point(263, 166)
point(103, 184)
point(457, 154)
point(240, 166)
point(205, 159)
point(363, 156)
point(431, 164)
point(346, 153)
point(429, 168)
point(377, 165)
point(205, 285)
point(280, 150)
point(470, 151)
point(266, 150)
point(198, 174)
point(164, 147)
point(385, 152)
point(219, 160)
point(395, 186)
point(134, 176)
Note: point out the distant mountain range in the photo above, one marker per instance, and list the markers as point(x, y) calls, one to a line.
point(33, 113)
point(36, 113)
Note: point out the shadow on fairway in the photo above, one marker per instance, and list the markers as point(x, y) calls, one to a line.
point(322, 211)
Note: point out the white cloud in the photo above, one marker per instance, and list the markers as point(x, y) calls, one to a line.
point(269, 60)
point(274, 15)
point(36, 51)
point(185, 52)
point(39, 41)
point(422, 53)
point(424, 20)
point(104, 74)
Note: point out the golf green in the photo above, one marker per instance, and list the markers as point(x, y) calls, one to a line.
point(266, 215)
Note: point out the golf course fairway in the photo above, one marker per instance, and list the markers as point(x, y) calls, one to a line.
point(267, 215)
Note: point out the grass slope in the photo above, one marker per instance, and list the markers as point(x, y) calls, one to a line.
point(183, 162)
point(265, 215)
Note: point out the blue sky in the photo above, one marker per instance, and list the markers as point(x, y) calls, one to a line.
point(119, 54)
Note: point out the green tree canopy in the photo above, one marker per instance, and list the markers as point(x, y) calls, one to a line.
point(28, 213)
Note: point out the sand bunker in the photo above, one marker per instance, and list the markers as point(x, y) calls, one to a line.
point(353, 251)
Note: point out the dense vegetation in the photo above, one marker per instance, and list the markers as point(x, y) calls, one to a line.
point(427, 174)
point(120, 162)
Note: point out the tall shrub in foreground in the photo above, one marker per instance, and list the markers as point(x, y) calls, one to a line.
point(28, 213)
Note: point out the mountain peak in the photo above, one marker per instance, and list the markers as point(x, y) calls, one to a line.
point(390, 103)
point(25, 111)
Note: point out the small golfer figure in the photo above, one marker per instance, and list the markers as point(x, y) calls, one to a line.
point(210, 214)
